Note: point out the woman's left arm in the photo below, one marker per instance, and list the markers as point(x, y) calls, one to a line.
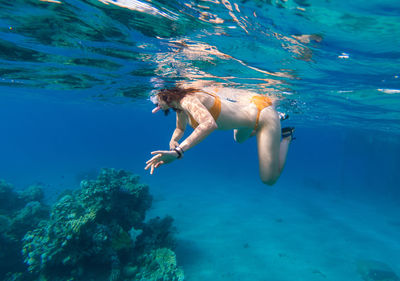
point(207, 124)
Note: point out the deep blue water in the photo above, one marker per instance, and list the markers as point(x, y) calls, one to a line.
point(52, 142)
point(75, 77)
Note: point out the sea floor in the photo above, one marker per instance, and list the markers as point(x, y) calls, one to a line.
point(245, 231)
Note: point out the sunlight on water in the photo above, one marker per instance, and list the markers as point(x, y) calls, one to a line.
point(330, 61)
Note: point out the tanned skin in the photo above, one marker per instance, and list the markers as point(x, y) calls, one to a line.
point(238, 113)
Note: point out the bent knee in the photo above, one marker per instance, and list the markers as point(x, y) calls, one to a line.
point(239, 140)
point(269, 180)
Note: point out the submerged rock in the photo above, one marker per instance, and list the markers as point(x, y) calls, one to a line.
point(371, 270)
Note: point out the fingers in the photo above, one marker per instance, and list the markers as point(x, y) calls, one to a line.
point(159, 152)
point(147, 166)
point(154, 158)
point(149, 163)
point(152, 161)
point(154, 166)
point(155, 162)
point(173, 145)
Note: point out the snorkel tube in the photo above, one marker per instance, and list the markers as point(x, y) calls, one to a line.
point(153, 99)
point(157, 84)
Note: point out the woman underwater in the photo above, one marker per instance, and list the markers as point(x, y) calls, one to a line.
point(211, 108)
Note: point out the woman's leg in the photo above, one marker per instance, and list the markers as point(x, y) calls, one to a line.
point(272, 151)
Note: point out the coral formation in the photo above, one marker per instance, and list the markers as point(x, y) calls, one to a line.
point(19, 213)
point(372, 270)
point(32, 193)
point(8, 198)
point(159, 265)
point(97, 232)
point(157, 233)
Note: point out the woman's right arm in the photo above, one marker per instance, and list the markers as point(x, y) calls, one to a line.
point(206, 122)
point(181, 122)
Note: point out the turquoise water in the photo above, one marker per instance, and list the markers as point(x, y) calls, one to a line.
point(75, 77)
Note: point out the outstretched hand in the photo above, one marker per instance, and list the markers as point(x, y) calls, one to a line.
point(161, 157)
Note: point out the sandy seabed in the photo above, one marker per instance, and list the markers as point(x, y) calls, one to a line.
point(245, 231)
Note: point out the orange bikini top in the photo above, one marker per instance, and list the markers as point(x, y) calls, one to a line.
point(215, 110)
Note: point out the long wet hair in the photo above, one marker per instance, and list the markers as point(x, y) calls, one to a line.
point(169, 95)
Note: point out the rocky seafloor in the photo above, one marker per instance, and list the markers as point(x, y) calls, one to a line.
point(97, 232)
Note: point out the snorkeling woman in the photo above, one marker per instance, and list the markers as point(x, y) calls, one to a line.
point(211, 108)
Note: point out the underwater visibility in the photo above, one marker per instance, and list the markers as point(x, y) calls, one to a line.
point(274, 157)
point(91, 234)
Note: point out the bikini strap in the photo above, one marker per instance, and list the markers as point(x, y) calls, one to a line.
point(261, 102)
point(215, 110)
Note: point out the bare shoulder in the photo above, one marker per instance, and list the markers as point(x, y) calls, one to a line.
point(197, 97)
point(196, 108)
point(191, 101)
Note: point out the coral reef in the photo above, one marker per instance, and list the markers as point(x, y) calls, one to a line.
point(8, 198)
point(19, 213)
point(32, 193)
point(98, 233)
point(157, 233)
point(159, 265)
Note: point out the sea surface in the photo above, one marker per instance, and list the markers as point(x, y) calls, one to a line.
point(75, 81)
